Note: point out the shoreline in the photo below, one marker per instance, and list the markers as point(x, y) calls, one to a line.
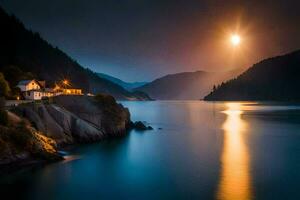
point(18, 165)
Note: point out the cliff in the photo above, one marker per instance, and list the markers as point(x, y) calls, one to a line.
point(20, 142)
point(77, 119)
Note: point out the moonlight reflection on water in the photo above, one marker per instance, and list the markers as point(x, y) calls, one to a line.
point(235, 182)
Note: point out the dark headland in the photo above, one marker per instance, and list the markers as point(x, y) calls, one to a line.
point(273, 79)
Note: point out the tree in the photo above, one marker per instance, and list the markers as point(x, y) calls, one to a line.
point(13, 74)
point(214, 88)
point(4, 86)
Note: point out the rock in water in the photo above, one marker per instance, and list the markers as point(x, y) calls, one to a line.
point(140, 126)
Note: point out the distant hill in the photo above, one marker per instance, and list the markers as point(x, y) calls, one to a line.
point(126, 85)
point(273, 79)
point(27, 52)
point(186, 86)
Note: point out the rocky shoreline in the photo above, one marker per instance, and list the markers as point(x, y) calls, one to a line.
point(64, 120)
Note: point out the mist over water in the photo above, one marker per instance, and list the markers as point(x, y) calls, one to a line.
point(197, 150)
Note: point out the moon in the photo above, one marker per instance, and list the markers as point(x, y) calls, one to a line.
point(235, 40)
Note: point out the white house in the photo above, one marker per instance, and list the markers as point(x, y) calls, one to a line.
point(36, 90)
point(37, 94)
point(33, 95)
point(27, 85)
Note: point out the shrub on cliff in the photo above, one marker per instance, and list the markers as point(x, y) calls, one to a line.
point(20, 135)
point(13, 74)
point(4, 86)
point(22, 138)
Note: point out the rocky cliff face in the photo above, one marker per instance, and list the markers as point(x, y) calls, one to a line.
point(34, 130)
point(72, 119)
point(20, 142)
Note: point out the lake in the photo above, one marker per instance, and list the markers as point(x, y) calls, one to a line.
point(197, 150)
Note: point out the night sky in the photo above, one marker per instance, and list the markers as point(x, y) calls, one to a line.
point(139, 40)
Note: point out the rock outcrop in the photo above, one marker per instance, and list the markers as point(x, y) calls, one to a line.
point(36, 129)
point(19, 142)
point(140, 126)
point(77, 119)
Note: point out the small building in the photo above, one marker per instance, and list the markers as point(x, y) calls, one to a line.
point(71, 91)
point(27, 85)
point(37, 94)
point(36, 90)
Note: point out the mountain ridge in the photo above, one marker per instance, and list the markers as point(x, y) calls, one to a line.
point(186, 85)
point(126, 85)
point(272, 79)
point(29, 52)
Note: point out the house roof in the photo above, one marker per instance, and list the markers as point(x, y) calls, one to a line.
point(42, 83)
point(24, 82)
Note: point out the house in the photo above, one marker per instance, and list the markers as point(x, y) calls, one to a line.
point(37, 94)
point(65, 88)
point(36, 90)
point(27, 85)
point(71, 91)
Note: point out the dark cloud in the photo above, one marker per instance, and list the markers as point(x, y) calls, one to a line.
point(144, 39)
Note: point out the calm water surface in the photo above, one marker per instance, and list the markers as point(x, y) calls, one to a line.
point(197, 150)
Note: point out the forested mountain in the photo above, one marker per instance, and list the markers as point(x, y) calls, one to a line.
point(186, 85)
point(24, 54)
point(126, 85)
point(274, 79)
